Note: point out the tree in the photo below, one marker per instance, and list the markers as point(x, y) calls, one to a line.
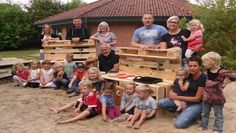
point(16, 26)
point(218, 18)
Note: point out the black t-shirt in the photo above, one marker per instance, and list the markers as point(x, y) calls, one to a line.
point(106, 63)
point(177, 90)
point(194, 84)
point(82, 33)
point(64, 75)
point(176, 40)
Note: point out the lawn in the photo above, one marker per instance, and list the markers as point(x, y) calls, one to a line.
point(26, 54)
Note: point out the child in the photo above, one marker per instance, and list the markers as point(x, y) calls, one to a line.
point(79, 75)
point(213, 96)
point(145, 106)
point(21, 74)
point(107, 100)
point(46, 75)
point(195, 40)
point(95, 77)
point(180, 87)
point(60, 77)
point(87, 108)
point(69, 66)
point(33, 79)
point(128, 100)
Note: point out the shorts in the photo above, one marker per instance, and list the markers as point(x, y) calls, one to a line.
point(92, 113)
point(131, 111)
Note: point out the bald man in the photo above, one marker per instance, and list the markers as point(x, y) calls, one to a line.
point(148, 36)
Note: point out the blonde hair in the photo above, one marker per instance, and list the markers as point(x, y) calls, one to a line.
point(171, 18)
point(186, 72)
point(86, 83)
point(35, 61)
point(43, 29)
point(57, 64)
point(212, 58)
point(144, 88)
point(69, 55)
point(197, 22)
point(131, 84)
point(103, 24)
point(15, 65)
point(99, 77)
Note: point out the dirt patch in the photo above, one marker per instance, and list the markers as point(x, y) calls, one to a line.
point(25, 110)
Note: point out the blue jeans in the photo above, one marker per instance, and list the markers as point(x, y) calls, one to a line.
point(218, 110)
point(75, 86)
point(187, 116)
point(63, 83)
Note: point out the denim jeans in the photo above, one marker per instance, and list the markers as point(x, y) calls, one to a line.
point(218, 110)
point(63, 83)
point(186, 117)
point(75, 86)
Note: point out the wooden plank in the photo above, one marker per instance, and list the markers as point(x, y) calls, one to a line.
point(84, 50)
point(150, 56)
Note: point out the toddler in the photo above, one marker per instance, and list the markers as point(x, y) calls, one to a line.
point(145, 106)
point(34, 73)
point(20, 74)
point(213, 96)
point(180, 87)
point(60, 77)
point(69, 66)
point(195, 40)
point(88, 107)
point(107, 100)
point(46, 75)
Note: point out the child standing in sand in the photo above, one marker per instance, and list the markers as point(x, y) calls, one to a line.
point(195, 40)
point(46, 75)
point(180, 87)
point(107, 100)
point(145, 106)
point(88, 107)
point(34, 73)
point(21, 74)
point(213, 96)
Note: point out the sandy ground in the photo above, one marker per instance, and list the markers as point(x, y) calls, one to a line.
point(24, 110)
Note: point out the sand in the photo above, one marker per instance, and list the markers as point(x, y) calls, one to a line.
point(25, 110)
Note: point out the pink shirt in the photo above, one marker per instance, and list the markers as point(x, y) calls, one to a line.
point(198, 39)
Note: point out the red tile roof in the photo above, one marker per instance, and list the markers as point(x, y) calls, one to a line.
point(124, 8)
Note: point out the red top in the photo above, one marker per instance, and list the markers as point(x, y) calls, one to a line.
point(81, 75)
point(91, 100)
point(23, 74)
point(198, 40)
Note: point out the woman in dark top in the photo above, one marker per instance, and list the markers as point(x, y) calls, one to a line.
point(46, 35)
point(194, 106)
point(173, 37)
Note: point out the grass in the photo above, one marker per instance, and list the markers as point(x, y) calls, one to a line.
point(25, 54)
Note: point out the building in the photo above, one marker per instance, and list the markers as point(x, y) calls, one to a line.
point(123, 16)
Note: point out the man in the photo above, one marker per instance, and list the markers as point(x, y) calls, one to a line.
point(77, 32)
point(149, 35)
point(108, 60)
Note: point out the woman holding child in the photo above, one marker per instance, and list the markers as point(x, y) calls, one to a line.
point(194, 105)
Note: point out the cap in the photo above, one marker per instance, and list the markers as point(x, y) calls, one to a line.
point(80, 65)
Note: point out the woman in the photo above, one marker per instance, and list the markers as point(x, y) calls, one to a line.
point(46, 35)
point(173, 37)
point(104, 36)
point(195, 91)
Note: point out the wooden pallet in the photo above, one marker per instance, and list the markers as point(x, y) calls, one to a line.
point(57, 50)
point(160, 63)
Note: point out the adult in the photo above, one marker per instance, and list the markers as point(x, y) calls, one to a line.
point(77, 32)
point(104, 36)
point(173, 37)
point(108, 60)
point(195, 93)
point(148, 36)
point(46, 35)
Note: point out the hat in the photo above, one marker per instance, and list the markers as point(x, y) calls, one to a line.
point(80, 65)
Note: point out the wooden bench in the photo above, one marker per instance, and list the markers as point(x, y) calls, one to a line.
point(57, 50)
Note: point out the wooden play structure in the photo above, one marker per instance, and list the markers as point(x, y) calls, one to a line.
point(56, 50)
point(159, 63)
